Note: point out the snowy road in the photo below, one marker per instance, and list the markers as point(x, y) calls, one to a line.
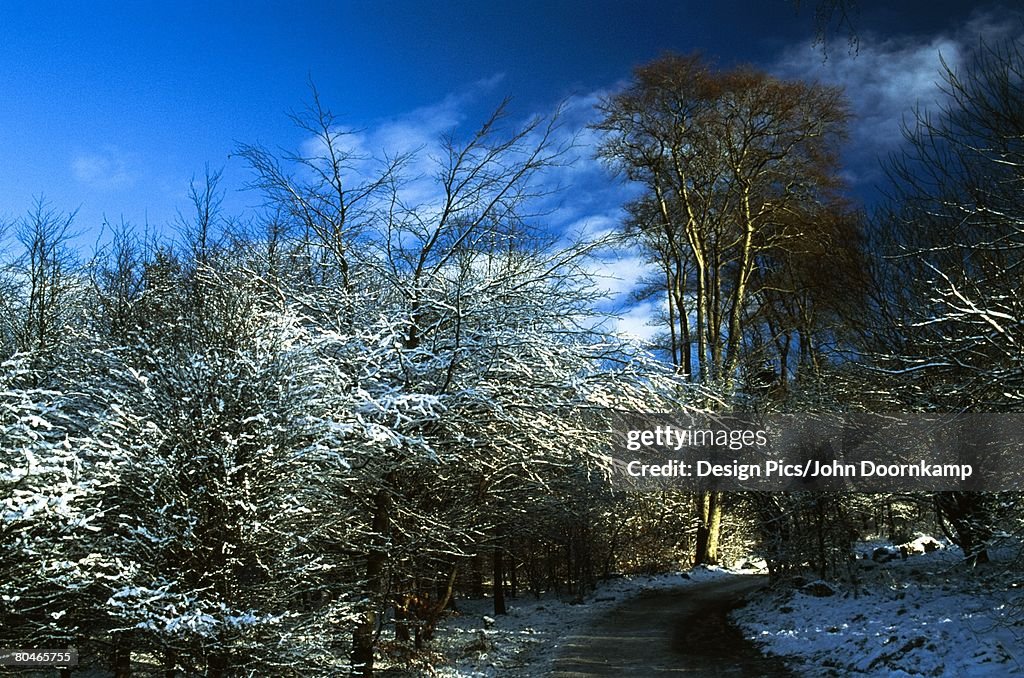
point(684, 631)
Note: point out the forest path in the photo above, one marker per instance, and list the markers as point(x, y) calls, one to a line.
point(679, 631)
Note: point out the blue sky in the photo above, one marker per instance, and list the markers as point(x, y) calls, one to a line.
point(109, 108)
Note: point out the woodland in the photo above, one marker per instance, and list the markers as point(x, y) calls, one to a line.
point(266, 445)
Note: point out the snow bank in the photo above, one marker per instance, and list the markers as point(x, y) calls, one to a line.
point(923, 616)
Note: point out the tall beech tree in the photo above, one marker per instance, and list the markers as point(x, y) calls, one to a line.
point(741, 179)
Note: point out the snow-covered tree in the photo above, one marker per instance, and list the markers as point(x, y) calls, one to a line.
point(62, 456)
point(955, 227)
point(958, 225)
point(253, 451)
point(41, 280)
point(477, 352)
point(242, 493)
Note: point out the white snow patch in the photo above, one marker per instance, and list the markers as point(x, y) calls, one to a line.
point(926, 615)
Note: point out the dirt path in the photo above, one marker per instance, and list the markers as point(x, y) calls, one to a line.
point(684, 631)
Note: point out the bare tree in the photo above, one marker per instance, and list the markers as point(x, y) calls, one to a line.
point(117, 271)
point(951, 293)
point(41, 280)
point(323, 191)
point(739, 168)
point(959, 226)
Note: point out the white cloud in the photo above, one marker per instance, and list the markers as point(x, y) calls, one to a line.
point(109, 168)
point(593, 227)
point(422, 127)
point(638, 323)
point(886, 79)
point(619, 275)
point(884, 82)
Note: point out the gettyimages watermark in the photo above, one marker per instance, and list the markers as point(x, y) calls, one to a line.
point(827, 452)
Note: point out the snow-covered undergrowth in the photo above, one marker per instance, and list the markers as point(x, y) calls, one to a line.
point(476, 642)
point(926, 615)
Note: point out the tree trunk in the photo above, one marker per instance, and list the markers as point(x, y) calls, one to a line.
point(709, 528)
point(364, 635)
point(714, 528)
point(684, 322)
point(969, 518)
point(170, 662)
point(122, 657)
point(437, 609)
point(819, 510)
point(499, 581)
point(513, 579)
point(677, 356)
point(217, 666)
point(476, 576)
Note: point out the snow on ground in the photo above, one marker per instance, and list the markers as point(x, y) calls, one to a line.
point(523, 643)
point(927, 615)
